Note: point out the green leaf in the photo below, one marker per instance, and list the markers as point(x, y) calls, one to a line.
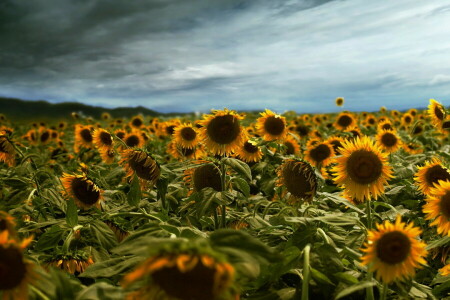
point(242, 186)
point(50, 239)
point(319, 277)
point(354, 288)
point(437, 243)
point(239, 166)
point(134, 194)
point(346, 277)
point(101, 290)
point(71, 213)
point(111, 267)
point(103, 234)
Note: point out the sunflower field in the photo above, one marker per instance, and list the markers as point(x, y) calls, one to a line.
point(350, 205)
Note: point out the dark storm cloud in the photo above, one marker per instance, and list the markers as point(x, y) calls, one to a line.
point(241, 54)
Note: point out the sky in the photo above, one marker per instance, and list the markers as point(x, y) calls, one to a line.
point(184, 56)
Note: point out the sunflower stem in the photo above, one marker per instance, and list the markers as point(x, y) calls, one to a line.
point(384, 292)
point(216, 220)
point(369, 290)
point(223, 178)
point(305, 283)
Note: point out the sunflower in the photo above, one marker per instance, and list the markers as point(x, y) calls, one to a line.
point(134, 139)
point(370, 120)
point(44, 135)
point(249, 152)
point(393, 251)
point(428, 176)
point(72, 265)
point(292, 146)
point(299, 179)
point(203, 176)
point(120, 233)
point(319, 153)
point(108, 156)
point(383, 109)
point(271, 126)
point(362, 169)
point(168, 128)
point(182, 276)
point(31, 137)
point(354, 131)
point(303, 129)
point(445, 126)
point(139, 162)
point(120, 133)
point(336, 142)
point(181, 153)
point(437, 112)
point(15, 271)
point(103, 140)
point(344, 120)
point(7, 151)
point(137, 122)
point(438, 207)
point(84, 191)
point(388, 140)
point(83, 137)
point(339, 101)
point(222, 132)
point(412, 148)
point(186, 135)
point(407, 119)
point(445, 271)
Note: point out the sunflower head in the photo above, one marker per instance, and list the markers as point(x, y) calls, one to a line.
point(437, 112)
point(134, 139)
point(388, 140)
point(428, 175)
point(186, 135)
point(299, 179)
point(7, 223)
point(137, 122)
point(7, 151)
point(249, 152)
point(385, 125)
point(336, 142)
point(344, 120)
point(339, 101)
point(319, 153)
point(437, 207)
point(292, 146)
point(84, 191)
point(407, 119)
point(362, 169)
point(222, 132)
point(83, 137)
point(203, 176)
point(182, 153)
point(102, 140)
point(139, 162)
point(393, 251)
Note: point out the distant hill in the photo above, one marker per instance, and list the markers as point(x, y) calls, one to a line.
point(17, 109)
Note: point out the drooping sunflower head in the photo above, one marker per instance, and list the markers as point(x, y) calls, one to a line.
point(82, 190)
point(249, 152)
point(388, 140)
point(339, 101)
point(344, 120)
point(7, 151)
point(102, 140)
point(438, 207)
point(183, 275)
point(139, 162)
point(437, 112)
point(299, 179)
point(74, 264)
point(428, 175)
point(362, 169)
point(319, 153)
point(137, 122)
point(205, 175)
point(15, 271)
point(186, 135)
point(393, 251)
point(222, 132)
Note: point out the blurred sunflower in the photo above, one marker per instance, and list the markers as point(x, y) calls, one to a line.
point(445, 271)
point(344, 120)
point(393, 251)
point(303, 130)
point(292, 146)
point(370, 120)
point(271, 126)
point(339, 101)
point(186, 136)
point(204, 176)
point(182, 276)
point(181, 153)
point(413, 148)
point(108, 156)
point(134, 139)
point(136, 122)
point(437, 112)
point(73, 265)
point(354, 131)
point(336, 142)
point(428, 176)
point(168, 128)
point(362, 169)
point(437, 207)
point(106, 116)
point(319, 153)
point(120, 133)
point(7, 223)
point(222, 132)
point(84, 191)
point(44, 135)
point(15, 271)
point(388, 141)
point(83, 137)
point(142, 164)
point(103, 140)
point(249, 152)
point(7, 151)
point(407, 119)
point(299, 179)
point(31, 137)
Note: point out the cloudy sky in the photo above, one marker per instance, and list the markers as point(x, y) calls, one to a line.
point(183, 55)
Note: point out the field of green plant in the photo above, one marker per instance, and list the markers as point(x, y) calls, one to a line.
point(352, 205)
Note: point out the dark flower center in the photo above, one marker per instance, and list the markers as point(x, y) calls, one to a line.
point(345, 121)
point(444, 205)
point(393, 247)
point(336, 145)
point(320, 152)
point(137, 122)
point(438, 112)
point(224, 129)
point(132, 141)
point(302, 130)
point(371, 121)
point(290, 149)
point(187, 151)
point(120, 135)
point(408, 119)
point(188, 134)
point(274, 125)
point(106, 139)
point(250, 148)
point(418, 130)
point(299, 179)
point(170, 129)
point(386, 126)
point(364, 167)
point(44, 136)
point(86, 135)
point(388, 139)
point(85, 191)
point(12, 268)
point(436, 173)
point(3, 225)
point(207, 176)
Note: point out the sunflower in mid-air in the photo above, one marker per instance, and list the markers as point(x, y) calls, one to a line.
point(339, 101)
point(299, 179)
point(437, 207)
point(15, 271)
point(186, 136)
point(84, 191)
point(393, 251)
point(428, 175)
point(388, 140)
point(362, 169)
point(222, 132)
